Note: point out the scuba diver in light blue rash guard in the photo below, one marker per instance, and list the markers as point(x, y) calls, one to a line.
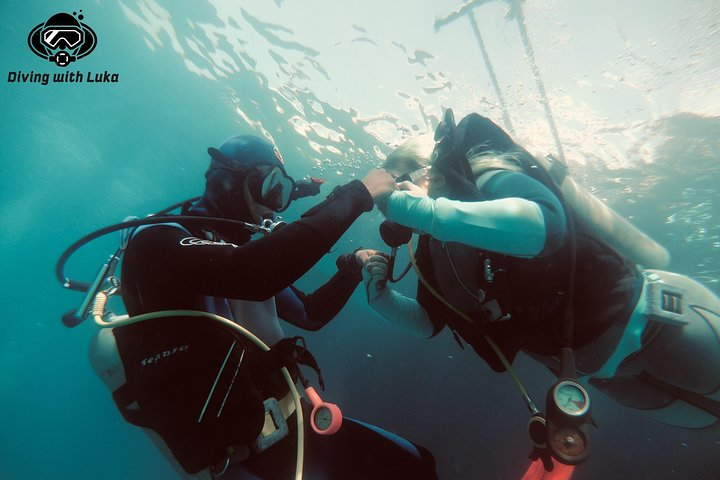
point(510, 248)
point(219, 402)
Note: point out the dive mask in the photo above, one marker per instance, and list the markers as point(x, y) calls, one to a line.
point(276, 186)
point(276, 189)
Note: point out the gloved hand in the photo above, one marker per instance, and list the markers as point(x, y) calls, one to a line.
point(306, 187)
point(347, 263)
point(375, 272)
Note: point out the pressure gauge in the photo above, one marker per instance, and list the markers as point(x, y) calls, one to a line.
point(326, 417)
point(569, 443)
point(568, 407)
point(571, 398)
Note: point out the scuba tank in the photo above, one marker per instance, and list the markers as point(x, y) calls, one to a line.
point(603, 222)
point(593, 216)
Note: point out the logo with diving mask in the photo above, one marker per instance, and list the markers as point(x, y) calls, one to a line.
point(62, 39)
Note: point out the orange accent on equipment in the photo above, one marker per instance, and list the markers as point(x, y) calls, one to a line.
point(329, 414)
point(537, 471)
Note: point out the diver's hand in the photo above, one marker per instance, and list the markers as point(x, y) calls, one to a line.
point(347, 263)
point(380, 184)
point(365, 255)
point(306, 187)
point(375, 271)
point(412, 189)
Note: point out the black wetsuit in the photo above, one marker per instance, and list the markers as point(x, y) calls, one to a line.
point(185, 267)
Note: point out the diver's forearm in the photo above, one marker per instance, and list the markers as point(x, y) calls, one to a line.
point(511, 226)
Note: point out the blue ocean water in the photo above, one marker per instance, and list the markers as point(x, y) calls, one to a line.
point(634, 93)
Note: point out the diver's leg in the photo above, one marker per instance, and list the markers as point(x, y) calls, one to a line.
point(675, 377)
point(361, 451)
point(356, 452)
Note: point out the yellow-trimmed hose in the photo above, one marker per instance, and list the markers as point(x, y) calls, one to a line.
point(488, 339)
point(122, 320)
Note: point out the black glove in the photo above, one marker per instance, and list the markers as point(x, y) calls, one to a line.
point(306, 187)
point(346, 263)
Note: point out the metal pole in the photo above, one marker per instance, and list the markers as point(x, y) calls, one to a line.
point(491, 72)
point(517, 11)
point(467, 9)
point(441, 22)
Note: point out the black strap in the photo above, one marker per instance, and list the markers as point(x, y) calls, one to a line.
point(451, 159)
point(695, 399)
point(288, 353)
point(458, 339)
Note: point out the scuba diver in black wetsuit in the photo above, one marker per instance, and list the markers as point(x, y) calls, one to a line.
point(215, 403)
point(510, 248)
